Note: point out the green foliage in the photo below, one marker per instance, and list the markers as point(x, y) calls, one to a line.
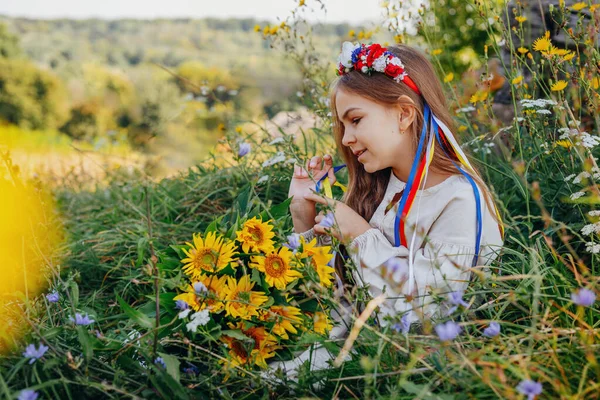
point(9, 44)
point(30, 97)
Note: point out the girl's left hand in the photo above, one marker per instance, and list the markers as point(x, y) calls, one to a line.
point(348, 223)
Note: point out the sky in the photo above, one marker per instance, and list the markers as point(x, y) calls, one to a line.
point(351, 11)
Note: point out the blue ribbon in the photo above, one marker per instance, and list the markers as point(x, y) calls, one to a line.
point(411, 177)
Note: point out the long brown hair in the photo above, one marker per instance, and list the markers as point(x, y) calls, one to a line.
point(366, 190)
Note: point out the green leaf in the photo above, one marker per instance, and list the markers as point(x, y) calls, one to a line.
point(172, 364)
point(137, 316)
point(269, 302)
point(242, 200)
point(141, 247)
point(74, 293)
point(236, 334)
point(424, 392)
point(52, 333)
point(214, 226)
point(281, 210)
point(86, 342)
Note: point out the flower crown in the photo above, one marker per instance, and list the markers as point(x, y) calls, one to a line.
point(373, 58)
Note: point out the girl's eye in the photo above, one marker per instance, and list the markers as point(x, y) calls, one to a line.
point(356, 120)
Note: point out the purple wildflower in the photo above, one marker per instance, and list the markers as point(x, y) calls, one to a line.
point(456, 299)
point(52, 297)
point(492, 330)
point(244, 149)
point(404, 324)
point(328, 221)
point(160, 362)
point(398, 268)
point(293, 241)
point(181, 305)
point(81, 319)
point(34, 354)
point(529, 388)
point(584, 297)
point(448, 331)
point(191, 370)
point(200, 288)
point(28, 394)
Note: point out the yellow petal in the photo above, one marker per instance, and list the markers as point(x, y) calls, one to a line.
point(558, 86)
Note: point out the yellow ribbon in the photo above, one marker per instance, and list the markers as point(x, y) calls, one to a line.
point(327, 188)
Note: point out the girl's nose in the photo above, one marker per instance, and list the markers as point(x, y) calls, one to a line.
point(348, 139)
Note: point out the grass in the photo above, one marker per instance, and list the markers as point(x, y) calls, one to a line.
point(114, 230)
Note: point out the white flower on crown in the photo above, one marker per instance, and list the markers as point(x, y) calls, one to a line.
point(345, 57)
point(380, 63)
point(400, 77)
point(396, 61)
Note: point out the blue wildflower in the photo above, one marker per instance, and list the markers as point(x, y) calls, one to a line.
point(181, 305)
point(200, 288)
point(328, 221)
point(404, 324)
point(52, 297)
point(456, 299)
point(81, 319)
point(448, 331)
point(492, 330)
point(191, 370)
point(293, 241)
point(34, 353)
point(584, 297)
point(160, 362)
point(28, 394)
point(529, 388)
point(244, 149)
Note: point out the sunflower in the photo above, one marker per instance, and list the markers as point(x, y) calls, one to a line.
point(322, 323)
point(240, 300)
point(320, 258)
point(213, 298)
point(209, 255)
point(285, 318)
point(265, 345)
point(277, 267)
point(256, 236)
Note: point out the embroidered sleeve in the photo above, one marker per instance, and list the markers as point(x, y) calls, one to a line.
point(322, 240)
point(439, 268)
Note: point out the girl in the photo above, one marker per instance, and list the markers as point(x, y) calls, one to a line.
point(416, 214)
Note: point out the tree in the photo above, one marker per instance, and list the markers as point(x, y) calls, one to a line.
point(31, 97)
point(9, 44)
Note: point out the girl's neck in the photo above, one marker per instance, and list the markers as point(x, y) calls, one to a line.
point(433, 177)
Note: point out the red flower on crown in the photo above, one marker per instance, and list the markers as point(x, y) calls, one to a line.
point(375, 51)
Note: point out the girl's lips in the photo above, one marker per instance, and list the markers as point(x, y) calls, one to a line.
point(361, 154)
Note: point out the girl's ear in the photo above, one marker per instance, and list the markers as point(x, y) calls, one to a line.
point(406, 112)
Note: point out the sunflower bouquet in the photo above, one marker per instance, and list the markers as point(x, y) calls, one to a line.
point(254, 296)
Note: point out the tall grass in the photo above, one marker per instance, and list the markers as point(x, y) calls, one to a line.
point(534, 165)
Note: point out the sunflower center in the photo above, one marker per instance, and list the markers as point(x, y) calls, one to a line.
point(205, 259)
point(256, 234)
point(275, 266)
point(239, 350)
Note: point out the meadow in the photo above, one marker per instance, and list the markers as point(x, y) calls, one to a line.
point(98, 312)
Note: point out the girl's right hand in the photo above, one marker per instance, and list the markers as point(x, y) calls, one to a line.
point(305, 179)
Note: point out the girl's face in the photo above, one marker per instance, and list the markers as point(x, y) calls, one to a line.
point(373, 133)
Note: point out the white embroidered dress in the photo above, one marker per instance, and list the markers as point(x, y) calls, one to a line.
point(445, 247)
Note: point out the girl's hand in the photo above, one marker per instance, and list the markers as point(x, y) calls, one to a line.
point(304, 179)
point(348, 223)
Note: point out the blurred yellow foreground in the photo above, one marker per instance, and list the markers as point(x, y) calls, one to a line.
point(30, 234)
